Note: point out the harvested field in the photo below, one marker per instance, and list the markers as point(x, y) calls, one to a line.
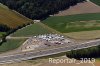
point(65, 64)
point(80, 8)
point(11, 18)
point(84, 35)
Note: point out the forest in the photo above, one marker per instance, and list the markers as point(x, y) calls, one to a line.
point(39, 9)
point(4, 28)
point(92, 52)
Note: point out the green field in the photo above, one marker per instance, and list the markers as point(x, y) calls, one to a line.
point(1, 33)
point(11, 44)
point(11, 18)
point(96, 2)
point(74, 23)
point(34, 29)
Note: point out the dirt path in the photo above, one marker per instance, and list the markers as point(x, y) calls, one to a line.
point(10, 37)
point(80, 8)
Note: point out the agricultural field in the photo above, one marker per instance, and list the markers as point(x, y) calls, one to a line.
point(31, 30)
point(96, 2)
point(74, 23)
point(11, 18)
point(84, 35)
point(11, 44)
point(80, 8)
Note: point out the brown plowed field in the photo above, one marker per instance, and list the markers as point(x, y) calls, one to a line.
point(80, 8)
point(11, 18)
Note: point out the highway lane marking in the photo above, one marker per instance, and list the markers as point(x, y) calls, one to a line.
point(14, 60)
point(56, 48)
point(46, 54)
point(30, 57)
point(47, 50)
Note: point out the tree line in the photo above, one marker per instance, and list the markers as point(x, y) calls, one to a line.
point(4, 28)
point(8, 30)
point(92, 52)
point(39, 9)
point(35, 9)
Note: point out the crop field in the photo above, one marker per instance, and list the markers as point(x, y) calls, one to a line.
point(31, 30)
point(80, 8)
point(11, 44)
point(11, 18)
point(84, 35)
point(74, 23)
point(96, 2)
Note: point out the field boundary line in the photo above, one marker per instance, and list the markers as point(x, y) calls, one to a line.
point(49, 28)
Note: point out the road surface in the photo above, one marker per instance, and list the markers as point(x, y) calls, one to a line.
point(10, 37)
point(30, 55)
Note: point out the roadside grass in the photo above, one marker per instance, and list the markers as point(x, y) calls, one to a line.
point(11, 44)
point(84, 35)
point(96, 2)
point(74, 23)
point(11, 18)
point(31, 30)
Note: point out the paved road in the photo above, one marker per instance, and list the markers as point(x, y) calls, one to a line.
point(30, 55)
point(10, 37)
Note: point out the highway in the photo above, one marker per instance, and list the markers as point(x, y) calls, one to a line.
point(30, 55)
